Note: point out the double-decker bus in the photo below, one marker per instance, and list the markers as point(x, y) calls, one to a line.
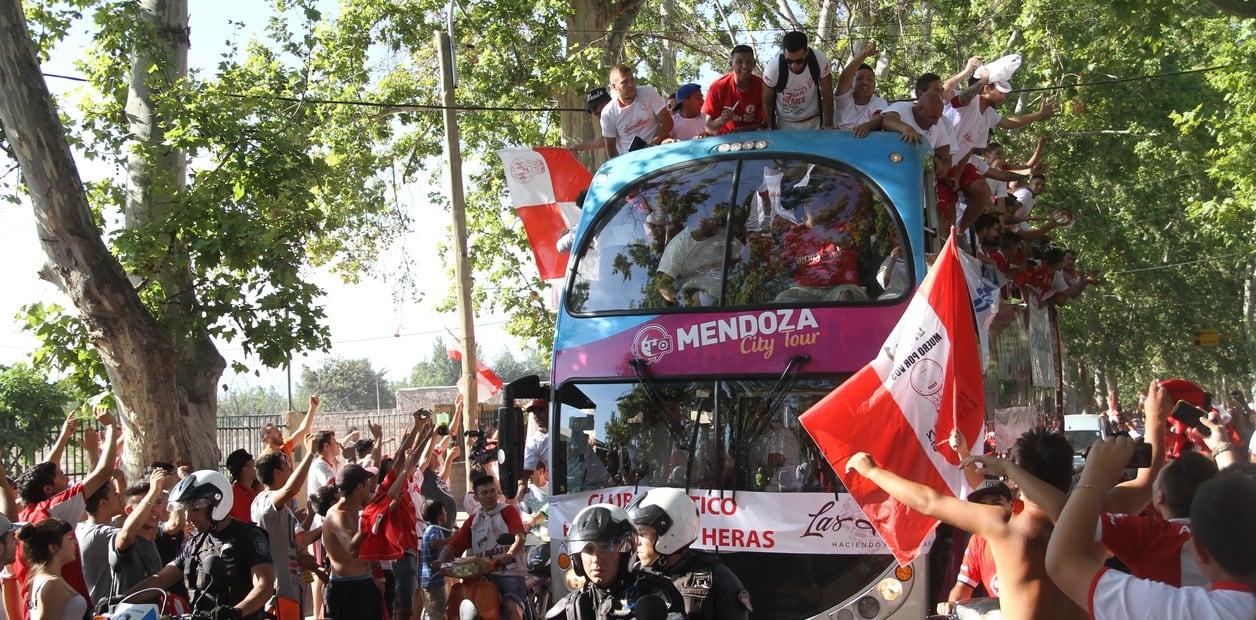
point(718, 288)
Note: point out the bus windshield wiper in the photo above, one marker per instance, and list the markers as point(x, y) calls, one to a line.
point(776, 395)
point(652, 392)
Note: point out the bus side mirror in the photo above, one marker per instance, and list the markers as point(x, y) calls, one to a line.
point(511, 433)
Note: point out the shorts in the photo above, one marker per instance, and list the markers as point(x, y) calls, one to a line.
point(350, 599)
point(970, 175)
point(947, 199)
point(435, 604)
point(405, 572)
point(511, 587)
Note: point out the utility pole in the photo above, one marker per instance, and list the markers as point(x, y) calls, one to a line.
point(462, 266)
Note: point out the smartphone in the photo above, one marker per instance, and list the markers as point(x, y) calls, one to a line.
point(1191, 416)
point(1141, 456)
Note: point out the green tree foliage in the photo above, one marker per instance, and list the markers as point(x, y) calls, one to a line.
point(252, 400)
point(32, 410)
point(347, 385)
point(438, 369)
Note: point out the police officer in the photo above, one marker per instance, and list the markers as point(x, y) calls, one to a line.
point(600, 542)
point(667, 523)
point(227, 565)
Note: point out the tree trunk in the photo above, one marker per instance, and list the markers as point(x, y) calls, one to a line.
point(156, 180)
point(1249, 323)
point(137, 352)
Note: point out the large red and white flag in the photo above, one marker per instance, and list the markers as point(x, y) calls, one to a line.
point(543, 184)
point(902, 406)
point(484, 376)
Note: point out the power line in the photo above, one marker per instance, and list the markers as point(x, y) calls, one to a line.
point(1182, 264)
point(427, 107)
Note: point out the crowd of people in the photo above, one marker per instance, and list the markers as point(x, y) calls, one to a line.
point(978, 188)
point(370, 543)
point(1166, 538)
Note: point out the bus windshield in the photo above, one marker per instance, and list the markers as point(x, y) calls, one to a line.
point(749, 231)
point(722, 434)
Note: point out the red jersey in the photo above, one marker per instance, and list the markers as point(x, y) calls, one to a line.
point(68, 506)
point(747, 104)
point(821, 256)
point(1153, 548)
point(978, 566)
point(242, 502)
point(1040, 278)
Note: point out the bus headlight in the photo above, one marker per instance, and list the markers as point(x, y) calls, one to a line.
point(869, 607)
point(896, 158)
point(890, 589)
point(573, 581)
point(844, 614)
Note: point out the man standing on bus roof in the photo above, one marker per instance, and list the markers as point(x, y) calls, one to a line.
point(735, 100)
point(857, 101)
point(667, 524)
point(798, 87)
point(636, 117)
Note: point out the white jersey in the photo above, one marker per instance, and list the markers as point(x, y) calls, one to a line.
point(638, 119)
point(972, 125)
point(800, 101)
point(847, 114)
point(934, 136)
point(687, 128)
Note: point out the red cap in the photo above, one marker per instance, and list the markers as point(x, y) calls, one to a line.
point(1181, 389)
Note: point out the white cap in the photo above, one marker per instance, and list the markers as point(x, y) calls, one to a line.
point(7, 526)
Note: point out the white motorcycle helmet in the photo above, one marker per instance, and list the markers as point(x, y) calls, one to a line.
point(204, 489)
point(671, 513)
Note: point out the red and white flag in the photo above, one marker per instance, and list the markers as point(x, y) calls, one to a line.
point(901, 407)
point(543, 184)
point(484, 376)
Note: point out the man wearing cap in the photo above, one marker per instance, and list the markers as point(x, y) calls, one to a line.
point(977, 566)
point(798, 88)
point(536, 450)
point(8, 553)
point(595, 101)
point(636, 117)
point(688, 121)
point(974, 111)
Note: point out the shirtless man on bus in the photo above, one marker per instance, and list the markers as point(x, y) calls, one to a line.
point(352, 593)
point(1018, 541)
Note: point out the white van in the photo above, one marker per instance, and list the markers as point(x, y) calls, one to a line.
point(1082, 430)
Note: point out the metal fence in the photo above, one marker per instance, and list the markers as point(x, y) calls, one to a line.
point(235, 432)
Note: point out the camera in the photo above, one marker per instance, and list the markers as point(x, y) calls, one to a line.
point(442, 430)
point(480, 452)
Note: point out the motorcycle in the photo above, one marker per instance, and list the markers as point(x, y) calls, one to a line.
point(474, 597)
point(538, 579)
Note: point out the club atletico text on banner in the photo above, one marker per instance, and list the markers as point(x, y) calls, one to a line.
point(902, 406)
point(543, 184)
point(484, 376)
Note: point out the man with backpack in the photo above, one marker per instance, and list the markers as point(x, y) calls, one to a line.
point(799, 86)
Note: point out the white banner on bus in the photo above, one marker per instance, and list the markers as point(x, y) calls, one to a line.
point(811, 523)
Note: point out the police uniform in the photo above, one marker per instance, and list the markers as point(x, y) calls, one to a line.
point(621, 599)
point(226, 581)
point(710, 589)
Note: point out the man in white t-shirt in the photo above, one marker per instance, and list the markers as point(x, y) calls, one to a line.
point(857, 102)
point(1223, 542)
point(916, 120)
point(636, 117)
point(798, 86)
point(691, 270)
point(688, 121)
